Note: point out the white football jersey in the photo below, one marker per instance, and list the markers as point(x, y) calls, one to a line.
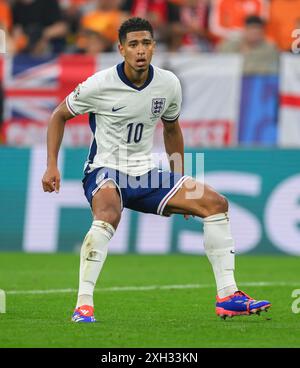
point(123, 117)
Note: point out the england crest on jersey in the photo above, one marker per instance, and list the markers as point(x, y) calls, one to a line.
point(158, 105)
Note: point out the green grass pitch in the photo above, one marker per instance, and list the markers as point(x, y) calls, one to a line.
point(176, 310)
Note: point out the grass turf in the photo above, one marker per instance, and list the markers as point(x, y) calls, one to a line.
point(160, 318)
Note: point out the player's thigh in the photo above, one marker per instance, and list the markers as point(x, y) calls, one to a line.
point(196, 198)
point(106, 204)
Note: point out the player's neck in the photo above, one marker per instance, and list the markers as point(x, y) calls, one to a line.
point(137, 78)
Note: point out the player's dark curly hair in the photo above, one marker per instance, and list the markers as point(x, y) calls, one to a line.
point(133, 25)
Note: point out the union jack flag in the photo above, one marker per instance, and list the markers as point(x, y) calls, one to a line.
point(33, 87)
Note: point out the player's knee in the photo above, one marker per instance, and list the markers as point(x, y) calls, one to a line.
point(108, 214)
point(219, 204)
point(215, 203)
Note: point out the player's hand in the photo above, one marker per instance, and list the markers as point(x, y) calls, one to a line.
point(51, 180)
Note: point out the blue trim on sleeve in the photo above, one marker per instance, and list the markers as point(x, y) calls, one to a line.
point(123, 77)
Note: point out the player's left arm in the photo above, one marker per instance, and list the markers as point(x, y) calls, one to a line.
point(174, 145)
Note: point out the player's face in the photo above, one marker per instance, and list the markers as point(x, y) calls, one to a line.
point(137, 50)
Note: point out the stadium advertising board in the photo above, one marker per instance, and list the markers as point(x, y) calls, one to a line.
point(263, 187)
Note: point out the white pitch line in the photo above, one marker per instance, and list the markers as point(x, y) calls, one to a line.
point(150, 287)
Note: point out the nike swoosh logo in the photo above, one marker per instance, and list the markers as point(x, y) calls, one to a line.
point(119, 108)
point(232, 251)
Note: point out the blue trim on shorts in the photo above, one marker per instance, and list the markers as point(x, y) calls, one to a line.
point(143, 193)
point(93, 149)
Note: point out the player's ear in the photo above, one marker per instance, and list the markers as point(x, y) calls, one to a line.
point(121, 49)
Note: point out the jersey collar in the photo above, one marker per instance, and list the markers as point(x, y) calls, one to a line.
point(122, 76)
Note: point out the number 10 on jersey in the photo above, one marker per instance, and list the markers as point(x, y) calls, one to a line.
point(135, 132)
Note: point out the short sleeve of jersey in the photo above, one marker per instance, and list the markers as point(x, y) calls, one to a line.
point(84, 97)
point(173, 110)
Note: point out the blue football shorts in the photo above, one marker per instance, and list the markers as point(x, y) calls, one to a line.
point(148, 193)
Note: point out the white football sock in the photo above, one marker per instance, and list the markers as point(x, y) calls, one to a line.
point(92, 257)
point(219, 247)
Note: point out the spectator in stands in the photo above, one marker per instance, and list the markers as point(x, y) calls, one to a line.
point(226, 17)
point(283, 20)
point(92, 43)
point(5, 16)
point(260, 55)
point(73, 11)
point(80, 6)
point(41, 23)
point(6, 26)
point(105, 21)
point(194, 23)
point(296, 38)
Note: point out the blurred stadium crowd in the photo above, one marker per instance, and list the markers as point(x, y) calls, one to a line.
point(41, 27)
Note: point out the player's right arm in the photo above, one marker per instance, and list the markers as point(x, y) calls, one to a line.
point(55, 132)
point(84, 99)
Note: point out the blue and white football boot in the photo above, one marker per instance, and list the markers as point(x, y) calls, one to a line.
point(239, 304)
point(84, 313)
